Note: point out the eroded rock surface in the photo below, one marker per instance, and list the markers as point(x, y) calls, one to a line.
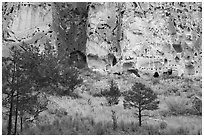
point(155, 36)
point(112, 37)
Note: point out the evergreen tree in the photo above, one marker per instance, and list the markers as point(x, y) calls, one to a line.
point(19, 80)
point(142, 98)
point(112, 96)
point(26, 73)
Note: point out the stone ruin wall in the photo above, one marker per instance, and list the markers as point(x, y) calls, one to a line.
point(149, 36)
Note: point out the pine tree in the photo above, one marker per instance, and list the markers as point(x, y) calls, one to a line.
point(8, 80)
point(142, 98)
point(112, 96)
point(26, 75)
point(18, 70)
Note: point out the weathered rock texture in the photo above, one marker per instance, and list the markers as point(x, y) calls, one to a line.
point(27, 22)
point(156, 37)
point(150, 37)
point(69, 22)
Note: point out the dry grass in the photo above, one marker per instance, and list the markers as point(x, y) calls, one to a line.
point(94, 116)
point(87, 126)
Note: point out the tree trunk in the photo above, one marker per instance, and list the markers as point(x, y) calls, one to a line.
point(10, 115)
point(17, 94)
point(11, 99)
point(140, 117)
point(16, 115)
point(114, 118)
point(21, 123)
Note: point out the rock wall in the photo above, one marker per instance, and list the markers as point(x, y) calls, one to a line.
point(150, 37)
point(155, 36)
point(104, 34)
point(27, 22)
point(69, 22)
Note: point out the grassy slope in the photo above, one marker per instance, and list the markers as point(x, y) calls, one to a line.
point(87, 106)
point(96, 106)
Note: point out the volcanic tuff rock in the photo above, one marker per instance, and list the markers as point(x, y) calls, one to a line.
point(26, 22)
point(149, 37)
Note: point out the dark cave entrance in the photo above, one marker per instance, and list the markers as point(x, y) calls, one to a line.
point(78, 59)
point(112, 59)
point(156, 75)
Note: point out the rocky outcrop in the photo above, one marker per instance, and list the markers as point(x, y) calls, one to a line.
point(29, 23)
point(69, 22)
point(113, 37)
point(155, 36)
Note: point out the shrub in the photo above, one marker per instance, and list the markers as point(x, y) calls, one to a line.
point(155, 81)
point(197, 104)
point(61, 112)
point(164, 113)
point(152, 130)
point(172, 91)
point(43, 120)
point(112, 94)
point(177, 105)
point(163, 125)
point(99, 129)
point(98, 94)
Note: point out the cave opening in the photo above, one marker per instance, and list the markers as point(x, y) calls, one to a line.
point(78, 58)
point(156, 75)
point(114, 61)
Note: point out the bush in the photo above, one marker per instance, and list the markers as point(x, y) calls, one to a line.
point(197, 104)
point(164, 113)
point(101, 94)
point(43, 120)
point(112, 94)
point(172, 91)
point(61, 112)
point(163, 125)
point(177, 105)
point(155, 81)
point(99, 130)
point(152, 130)
point(68, 80)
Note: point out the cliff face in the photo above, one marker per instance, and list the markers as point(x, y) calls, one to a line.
point(69, 22)
point(151, 37)
point(27, 22)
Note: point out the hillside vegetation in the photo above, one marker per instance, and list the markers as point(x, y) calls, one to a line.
point(113, 68)
point(88, 111)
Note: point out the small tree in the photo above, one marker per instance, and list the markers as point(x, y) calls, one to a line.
point(142, 98)
point(112, 96)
